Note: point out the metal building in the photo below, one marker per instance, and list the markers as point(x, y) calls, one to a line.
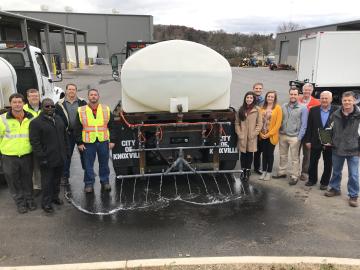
point(106, 33)
point(287, 43)
point(37, 32)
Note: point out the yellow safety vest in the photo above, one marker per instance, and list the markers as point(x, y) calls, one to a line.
point(14, 137)
point(27, 108)
point(94, 128)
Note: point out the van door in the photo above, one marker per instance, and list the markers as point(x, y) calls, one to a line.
point(45, 83)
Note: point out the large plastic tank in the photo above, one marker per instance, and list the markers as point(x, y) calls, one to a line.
point(176, 72)
point(8, 81)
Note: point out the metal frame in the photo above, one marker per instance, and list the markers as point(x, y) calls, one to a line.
point(181, 163)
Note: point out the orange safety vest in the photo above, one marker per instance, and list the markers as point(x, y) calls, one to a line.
point(94, 128)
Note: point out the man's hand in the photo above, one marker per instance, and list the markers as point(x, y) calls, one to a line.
point(308, 145)
point(111, 145)
point(81, 147)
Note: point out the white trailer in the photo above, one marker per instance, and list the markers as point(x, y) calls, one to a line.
point(330, 61)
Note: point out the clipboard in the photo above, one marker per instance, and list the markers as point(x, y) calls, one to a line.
point(325, 135)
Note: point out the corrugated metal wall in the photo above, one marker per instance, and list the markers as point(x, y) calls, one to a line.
point(109, 32)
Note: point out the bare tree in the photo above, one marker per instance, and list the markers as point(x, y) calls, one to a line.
point(288, 26)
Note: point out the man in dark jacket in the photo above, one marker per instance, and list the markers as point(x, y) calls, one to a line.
point(345, 123)
point(319, 119)
point(49, 143)
point(66, 108)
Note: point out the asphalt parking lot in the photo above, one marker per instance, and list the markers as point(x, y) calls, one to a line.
point(275, 220)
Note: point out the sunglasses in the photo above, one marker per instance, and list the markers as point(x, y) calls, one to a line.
point(49, 106)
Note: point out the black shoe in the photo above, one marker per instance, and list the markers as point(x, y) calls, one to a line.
point(323, 187)
point(257, 171)
point(22, 209)
point(58, 201)
point(105, 187)
point(37, 192)
point(309, 184)
point(293, 181)
point(279, 176)
point(31, 205)
point(48, 209)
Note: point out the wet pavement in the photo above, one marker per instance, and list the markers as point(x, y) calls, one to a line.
point(199, 217)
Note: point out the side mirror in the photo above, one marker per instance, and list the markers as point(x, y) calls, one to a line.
point(114, 62)
point(115, 67)
point(59, 77)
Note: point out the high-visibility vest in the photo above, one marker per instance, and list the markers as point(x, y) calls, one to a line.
point(27, 108)
point(14, 136)
point(94, 128)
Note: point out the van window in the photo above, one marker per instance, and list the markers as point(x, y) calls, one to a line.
point(15, 59)
point(41, 61)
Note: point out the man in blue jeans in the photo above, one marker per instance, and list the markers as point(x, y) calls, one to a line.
point(345, 123)
point(95, 136)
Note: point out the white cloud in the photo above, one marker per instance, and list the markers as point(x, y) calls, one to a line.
point(230, 15)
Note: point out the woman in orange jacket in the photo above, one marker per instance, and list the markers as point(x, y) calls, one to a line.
point(269, 135)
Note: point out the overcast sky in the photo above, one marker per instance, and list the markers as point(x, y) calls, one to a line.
point(259, 16)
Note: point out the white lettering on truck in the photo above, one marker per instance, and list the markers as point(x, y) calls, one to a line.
point(128, 148)
point(225, 148)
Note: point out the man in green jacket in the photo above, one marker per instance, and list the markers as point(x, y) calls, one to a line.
point(17, 153)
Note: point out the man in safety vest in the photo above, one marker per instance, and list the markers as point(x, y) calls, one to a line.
point(94, 136)
point(17, 153)
point(34, 107)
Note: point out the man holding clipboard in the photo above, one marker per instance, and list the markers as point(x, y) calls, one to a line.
point(318, 140)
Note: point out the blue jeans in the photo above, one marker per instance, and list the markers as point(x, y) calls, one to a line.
point(72, 143)
point(353, 171)
point(102, 151)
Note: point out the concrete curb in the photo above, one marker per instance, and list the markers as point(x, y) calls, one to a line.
point(192, 261)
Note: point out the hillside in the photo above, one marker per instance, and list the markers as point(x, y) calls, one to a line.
point(235, 45)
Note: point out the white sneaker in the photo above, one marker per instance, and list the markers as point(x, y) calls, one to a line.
point(262, 176)
point(267, 177)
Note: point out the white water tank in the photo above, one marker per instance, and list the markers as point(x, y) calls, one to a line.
point(176, 72)
point(8, 81)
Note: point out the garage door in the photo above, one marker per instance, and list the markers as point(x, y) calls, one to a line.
point(284, 52)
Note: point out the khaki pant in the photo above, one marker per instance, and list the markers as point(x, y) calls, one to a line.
point(305, 162)
point(289, 143)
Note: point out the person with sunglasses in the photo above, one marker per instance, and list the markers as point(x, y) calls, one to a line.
point(49, 142)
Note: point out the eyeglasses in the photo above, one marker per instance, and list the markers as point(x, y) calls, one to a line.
point(49, 106)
